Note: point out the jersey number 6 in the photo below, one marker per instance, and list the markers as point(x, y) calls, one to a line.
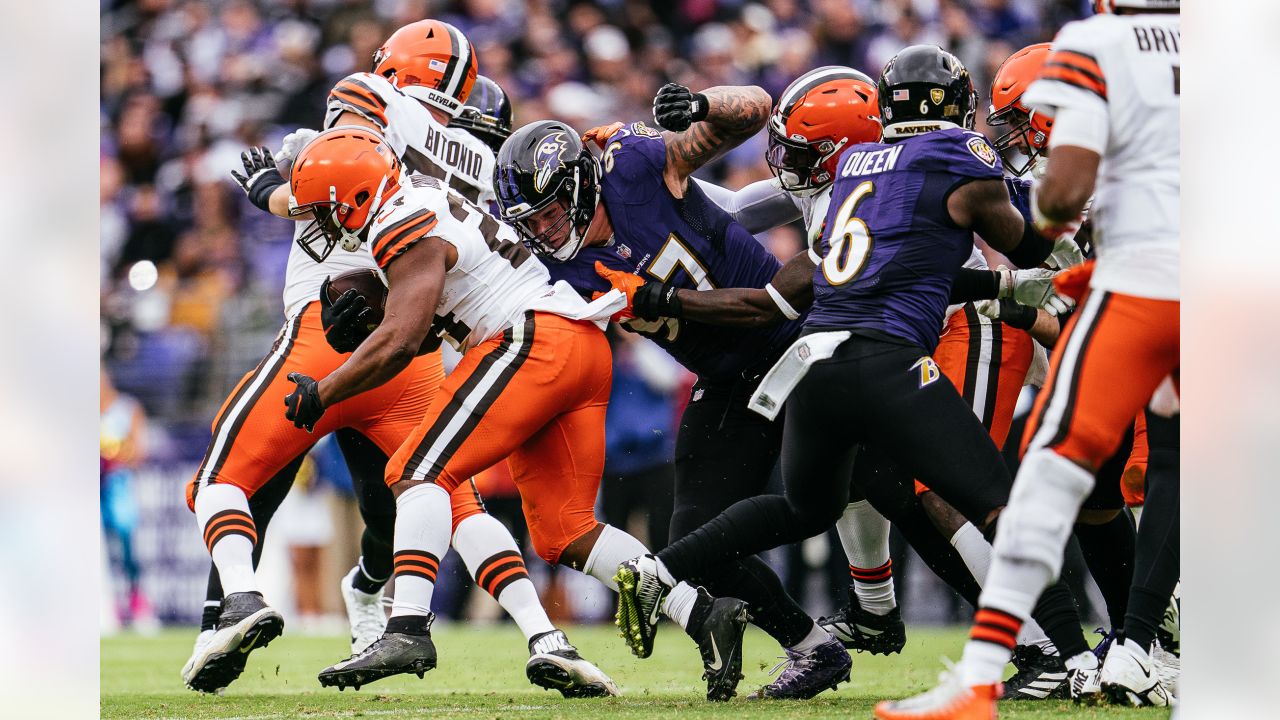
point(850, 239)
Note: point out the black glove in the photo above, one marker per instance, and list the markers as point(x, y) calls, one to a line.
point(345, 319)
point(260, 176)
point(656, 300)
point(675, 108)
point(302, 406)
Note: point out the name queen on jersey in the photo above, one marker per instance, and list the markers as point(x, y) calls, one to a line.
point(889, 251)
point(690, 242)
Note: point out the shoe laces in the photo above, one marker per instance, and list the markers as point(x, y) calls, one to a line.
point(791, 665)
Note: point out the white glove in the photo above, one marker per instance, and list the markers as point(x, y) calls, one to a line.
point(294, 141)
point(1057, 305)
point(1066, 253)
point(1031, 287)
point(990, 308)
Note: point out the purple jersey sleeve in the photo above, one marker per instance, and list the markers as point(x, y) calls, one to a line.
point(964, 153)
point(636, 156)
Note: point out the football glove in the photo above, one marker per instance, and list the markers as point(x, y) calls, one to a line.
point(600, 134)
point(1009, 312)
point(302, 406)
point(260, 176)
point(344, 320)
point(1029, 287)
point(294, 141)
point(1066, 253)
point(1057, 305)
point(675, 107)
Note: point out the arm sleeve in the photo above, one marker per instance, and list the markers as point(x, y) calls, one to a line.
point(758, 207)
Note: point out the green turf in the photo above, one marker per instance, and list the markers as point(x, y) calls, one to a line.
point(481, 674)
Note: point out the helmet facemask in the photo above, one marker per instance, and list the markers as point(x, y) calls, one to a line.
point(799, 164)
point(329, 228)
point(578, 194)
point(1021, 145)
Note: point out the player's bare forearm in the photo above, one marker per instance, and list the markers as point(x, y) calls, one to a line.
point(753, 307)
point(1046, 328)
point(379, 358)
point(734, 113)
point(279, 204)
point(1068, 183)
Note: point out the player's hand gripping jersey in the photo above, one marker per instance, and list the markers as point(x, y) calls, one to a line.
point(495, 279)
point(890, 250)
point(425, 147)
point(690, 242)
point(1116, 80)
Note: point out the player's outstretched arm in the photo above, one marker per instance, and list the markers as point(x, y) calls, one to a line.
point(984, 207)
point(1068, 183)
point(717, 120)
point(415, 280)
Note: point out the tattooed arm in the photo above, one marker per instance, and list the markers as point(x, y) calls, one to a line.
point(733, 115)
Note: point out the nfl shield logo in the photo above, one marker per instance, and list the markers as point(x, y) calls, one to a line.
point(936, 95)
point(624, 252)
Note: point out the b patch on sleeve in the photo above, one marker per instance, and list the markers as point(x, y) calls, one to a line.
point(982, 150)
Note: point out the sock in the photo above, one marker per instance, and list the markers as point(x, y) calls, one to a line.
point(974, 550)
point(365, 582)
point(423, 519)
point(222, 513)
point(1108, 551)
point(612, 548)
point(864, 534)
point(990, 645)
point(375, 558)
point(209, 616)
point(937, 553)
point(816, 637)
point(491, 556)
point(678, 604)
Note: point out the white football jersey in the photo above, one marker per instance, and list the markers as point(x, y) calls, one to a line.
point(495, 280)
point(426, 147)
point(1121, 75)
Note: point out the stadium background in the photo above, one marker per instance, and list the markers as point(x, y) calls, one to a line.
point(191, 274)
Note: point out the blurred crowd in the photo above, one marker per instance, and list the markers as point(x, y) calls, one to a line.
point(191, 273)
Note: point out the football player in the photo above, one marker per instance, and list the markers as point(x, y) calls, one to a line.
point(635, 210)
point(316, 338)
point(1112, 87)
point(532, 385)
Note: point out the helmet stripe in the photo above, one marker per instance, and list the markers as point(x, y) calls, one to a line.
point(814, 78)
point(461, 58)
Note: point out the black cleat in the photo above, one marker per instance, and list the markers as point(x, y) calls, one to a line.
point(554, 664)
point(1039, 677)
point(805, 675)
point(391, 654)
point(864, 631)
point(719, 637)
point(246, 624)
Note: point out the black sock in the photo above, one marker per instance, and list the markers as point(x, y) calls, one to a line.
point(937, 552)
point(1060, 619)
point(1156, 565)
point(749, 579)
point(410, 625)
point(209, 616)
point(364, 583)
point(1108, 550)
point(375, 558)
point(212, 600)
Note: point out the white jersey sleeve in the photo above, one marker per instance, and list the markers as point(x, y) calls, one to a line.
point(1116, 82)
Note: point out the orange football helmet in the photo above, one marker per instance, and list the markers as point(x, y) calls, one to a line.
point(341, 177)
point(430, 61)
point(1028, 134)
point(818, 116)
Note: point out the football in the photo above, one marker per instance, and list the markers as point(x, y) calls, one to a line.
point(368, 283)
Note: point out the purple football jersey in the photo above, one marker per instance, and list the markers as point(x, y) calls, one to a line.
point(690, 242)
point(890, 249)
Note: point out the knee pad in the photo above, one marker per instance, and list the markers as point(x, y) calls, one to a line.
point(1042, 509)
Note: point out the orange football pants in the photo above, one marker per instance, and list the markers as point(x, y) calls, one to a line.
point(987, 361)
point(535, 395)
point(252, 440)
point(1113, 354)
point(1133, 482)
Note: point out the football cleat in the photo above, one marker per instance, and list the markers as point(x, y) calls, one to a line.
point(719, 638)
point(950, 700)
point(864, 631)
point(202, 641)
point(247, 623)
point(1169, 667)
point(554, 664)
point(1129, 677)
point(1100, 650)
point(1084, 685)
point(1040, 676)
point(391, 654)
point(640, 595)
point(364, 612)
point(804, 675)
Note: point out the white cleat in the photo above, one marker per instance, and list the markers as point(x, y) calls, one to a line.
point(1129, 677)
point(554, 664)
point(1084, 678)
point(1168, 667)
point(188, 670)
point(364, 612)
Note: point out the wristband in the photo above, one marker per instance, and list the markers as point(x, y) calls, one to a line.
point(653, 301)
point(260, 193)
point(1018, 316)
point(699, 107)
point(787, 311)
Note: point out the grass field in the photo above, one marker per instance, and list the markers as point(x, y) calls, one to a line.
point(481, 674)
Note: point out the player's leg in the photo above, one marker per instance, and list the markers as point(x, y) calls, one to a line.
point(1131, 659)
point(1107, 535)
point(361, 587)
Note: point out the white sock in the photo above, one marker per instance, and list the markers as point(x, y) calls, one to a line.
point(982, 663)
point(222, 514)
point(678, 604)
point(976, 552)
point(491, 556)
point(816, 637)
point(423, 519)
point(612, 548)
point(864, 535)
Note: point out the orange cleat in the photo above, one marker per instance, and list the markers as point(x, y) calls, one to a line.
point(949, 701)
